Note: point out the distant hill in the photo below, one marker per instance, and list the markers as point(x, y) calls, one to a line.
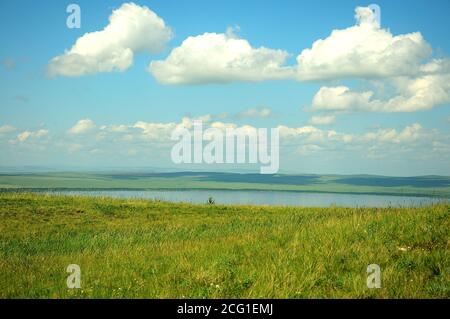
point(362, 184)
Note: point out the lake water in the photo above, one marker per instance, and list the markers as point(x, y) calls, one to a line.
point(278, 198)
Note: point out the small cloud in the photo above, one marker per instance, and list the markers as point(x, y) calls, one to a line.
point(254, 113)
point(322, 120)
point(6, 129)
point(82, 127)
point(26, 135)
point(115, 128)
point(410, 133)
point(306, 150)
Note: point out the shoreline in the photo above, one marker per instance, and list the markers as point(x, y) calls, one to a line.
point(112, 189)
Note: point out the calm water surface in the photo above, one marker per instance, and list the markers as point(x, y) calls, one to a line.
point(271, 198)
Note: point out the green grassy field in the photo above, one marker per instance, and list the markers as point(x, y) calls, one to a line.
point(151, 249)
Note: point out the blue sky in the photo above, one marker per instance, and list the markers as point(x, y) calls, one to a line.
point(404, 140)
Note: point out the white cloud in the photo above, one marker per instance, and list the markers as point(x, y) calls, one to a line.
point(82, 127)
point(308, 149)
point(254, 113)
point(131, 29)
point(115, 128)
point(412, 142)
point(26, 135)
point(440, 147)
point(251, 113)
point(155, 131)
point(6, 129)
point(412, 94)
point(310, 135)
point(286, 131)
point(151, 133)
point(219, 58)
point(322, 120)
point(363, 51)
point(339, 98)
point(150, 140)
point(408, 134)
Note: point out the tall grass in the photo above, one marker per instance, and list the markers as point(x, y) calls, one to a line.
point(154, 249)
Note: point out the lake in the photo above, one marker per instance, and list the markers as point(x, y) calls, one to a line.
point(272, 198)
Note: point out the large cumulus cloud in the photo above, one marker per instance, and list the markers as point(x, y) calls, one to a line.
point(131, 29)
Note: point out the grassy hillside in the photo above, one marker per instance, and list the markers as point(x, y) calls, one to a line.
point(358, 184)
point(150, 249)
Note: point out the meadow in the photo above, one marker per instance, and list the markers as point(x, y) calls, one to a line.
point(153, 249)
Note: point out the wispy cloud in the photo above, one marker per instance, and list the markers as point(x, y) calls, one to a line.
point(255, 113)
point(28, 135)
point(82, 127)
point(322, 120)
point(6, 129)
